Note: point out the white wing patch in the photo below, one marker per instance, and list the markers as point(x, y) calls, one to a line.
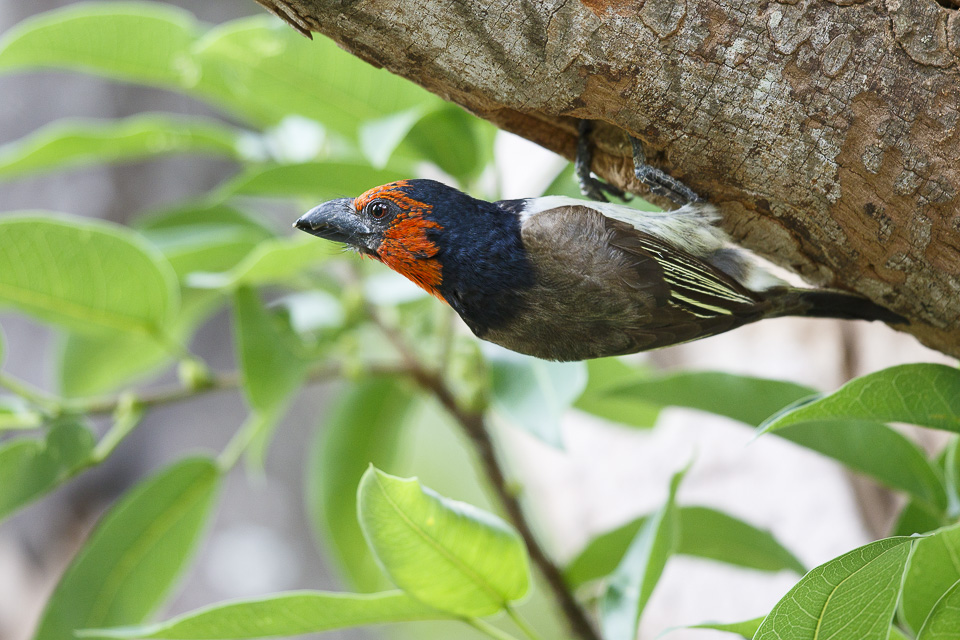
point(691, 227)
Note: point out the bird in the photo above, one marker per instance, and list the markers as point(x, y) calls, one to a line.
point(564, 279)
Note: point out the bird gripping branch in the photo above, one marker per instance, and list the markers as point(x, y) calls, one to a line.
point(566, 279)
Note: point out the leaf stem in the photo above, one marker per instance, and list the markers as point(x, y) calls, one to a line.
point(240, 441)
point(488, 629)
point(126, 418)
point(475, 427)
point(524, 626)
point(30, 393)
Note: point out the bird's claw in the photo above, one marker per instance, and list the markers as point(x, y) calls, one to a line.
point(590, 186)
point(657, 181)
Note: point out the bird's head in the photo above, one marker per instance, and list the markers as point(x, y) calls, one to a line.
point(465, 251)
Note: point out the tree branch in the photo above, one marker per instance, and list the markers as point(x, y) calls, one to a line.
point(475, 427)
point(827, 132)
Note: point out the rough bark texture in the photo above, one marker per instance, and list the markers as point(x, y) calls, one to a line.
point(827, 131)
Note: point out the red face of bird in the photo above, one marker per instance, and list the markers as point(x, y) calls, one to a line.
point(388, 223)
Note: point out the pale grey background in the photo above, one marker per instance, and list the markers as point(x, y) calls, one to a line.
point(261, 542)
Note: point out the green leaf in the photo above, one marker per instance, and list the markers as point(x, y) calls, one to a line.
point(447, 554)
point(71, 143)
point(868, 447)
point(262, 66)
point(203, 237)
point(746, 628)
point(852, 596)
point(85, 275)
point(364, 428)
point(534, 394)
point(93, 364)
point(605, 374)
point(380, 138)
point(876, 450)
point(134, 556)
point(749, 400)
point(704, 533)
point(632, 582)
point(284, 614)
point(943, 623)
point(138, 41)
point(274, 261)
point(951, 475)
point(315, 180)
point(934, 567)
point(446, 137)
point(917, 517)
point(30, 468)
point(927, 395)
point(271, 356)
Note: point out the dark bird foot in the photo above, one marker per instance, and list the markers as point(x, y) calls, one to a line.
point(660, 183)
point(590, 186)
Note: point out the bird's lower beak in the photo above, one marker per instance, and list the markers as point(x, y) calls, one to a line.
point(338, 221)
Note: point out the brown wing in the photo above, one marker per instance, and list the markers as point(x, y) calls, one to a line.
point(605, 288)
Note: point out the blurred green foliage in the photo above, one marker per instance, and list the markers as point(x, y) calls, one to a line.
point(314, 123)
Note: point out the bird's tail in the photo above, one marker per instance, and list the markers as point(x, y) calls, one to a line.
point(820, 303)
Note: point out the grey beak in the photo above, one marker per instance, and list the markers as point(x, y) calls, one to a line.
point(335, 220)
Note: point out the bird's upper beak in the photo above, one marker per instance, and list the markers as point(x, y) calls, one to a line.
point(337, 220)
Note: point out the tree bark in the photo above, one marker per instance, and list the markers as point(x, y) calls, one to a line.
point(828, 132)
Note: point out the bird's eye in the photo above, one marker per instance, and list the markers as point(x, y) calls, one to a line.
point(378, 210)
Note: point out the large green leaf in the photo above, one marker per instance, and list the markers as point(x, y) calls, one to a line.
point(943, 623)
point(30, 468)
point(534, 394)
point(133, 558)
point(876, 450)
point(447, 554)
point(273, 261)
point(284, 614)
point(864, 446)
point(363, 429)
point(138, 41)
point(923, 394)
point(265, 67)
point(934, 567)
point(744, 398)
point(851, 597)
point(316, 180)
point(203, 237)
point(605, 374)
point(93, 364)
point(70, 143)
point(704, 533)
point(85, 275)
point(635, 577)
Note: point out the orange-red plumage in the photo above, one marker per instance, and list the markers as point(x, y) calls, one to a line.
point(406, 248)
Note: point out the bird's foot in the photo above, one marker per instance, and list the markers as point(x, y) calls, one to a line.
point(660, 183)
point(590, 185)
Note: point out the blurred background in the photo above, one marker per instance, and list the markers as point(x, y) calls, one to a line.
point(606, 474)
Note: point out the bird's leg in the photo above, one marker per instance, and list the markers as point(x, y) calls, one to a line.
point(589, 185)
point(659, 182)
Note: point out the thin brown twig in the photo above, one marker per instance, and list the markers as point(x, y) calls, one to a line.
point(475, 427)
point(219, 382)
